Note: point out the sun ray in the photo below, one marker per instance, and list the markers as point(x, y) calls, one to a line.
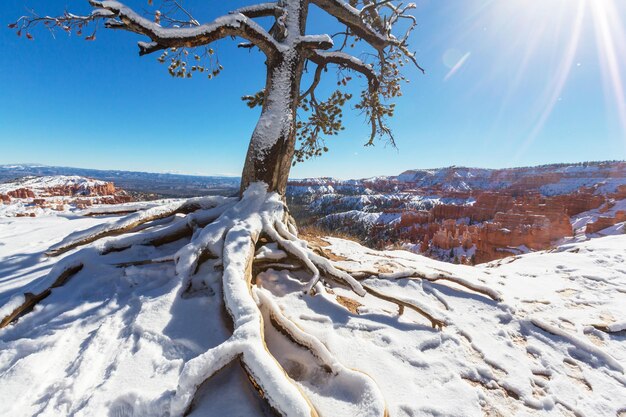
point(610, 39)
point(562, 75)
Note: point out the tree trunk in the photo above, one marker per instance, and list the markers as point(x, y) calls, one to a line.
point(272, 145)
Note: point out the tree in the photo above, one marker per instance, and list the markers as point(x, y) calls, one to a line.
point(227, 232)
point(289, 51)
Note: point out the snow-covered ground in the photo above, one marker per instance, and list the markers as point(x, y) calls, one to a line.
point(41, 184)
point(113, 340)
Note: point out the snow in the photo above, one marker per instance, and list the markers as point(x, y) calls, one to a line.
point(581, 220)
point(604, 177)
point(41, 184)
point(131, 340)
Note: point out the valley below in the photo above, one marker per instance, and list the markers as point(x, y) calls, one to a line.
point(455, 214)
point(467, 215)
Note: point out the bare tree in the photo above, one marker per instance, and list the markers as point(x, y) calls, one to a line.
point(290, 51)
point(246, 235)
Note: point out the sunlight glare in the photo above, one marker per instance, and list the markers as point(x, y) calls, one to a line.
point(611, 40)
point(562, 75)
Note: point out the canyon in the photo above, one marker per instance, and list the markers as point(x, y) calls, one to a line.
point(33, 196)
point(454, 214)
point(471, 216)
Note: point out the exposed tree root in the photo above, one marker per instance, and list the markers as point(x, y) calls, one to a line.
point(71, 265)
point(248, 339)
point(412, 274)
point(607, 329)
point(324, 357)
point(436, 322)
point(227, 232)
point(30, 299)
point(364, 274)
point(131, 222)
point(579, 343)
point(144, 262)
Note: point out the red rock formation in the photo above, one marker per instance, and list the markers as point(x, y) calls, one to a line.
point(531, 220)
point(603, 222)
point(448, 211)
point(621, 193)
point(607, 206)
point(577, 203)
point(488, 204)
point(410, 218)
point(80, 189)
point(22, 193)
point(80, 195)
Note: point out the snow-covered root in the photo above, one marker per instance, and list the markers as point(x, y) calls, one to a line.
point(21, 305)
point(317, 264)
point(440, 276)
point(177, 229)
point(231, 239)
point(71, 265)
point(376, 405)
point(209, 243)
point(132, 221)
point(248, 339)
point(601, 356)
point(435, 320)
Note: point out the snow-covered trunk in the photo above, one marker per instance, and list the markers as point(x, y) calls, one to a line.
point(272, 145)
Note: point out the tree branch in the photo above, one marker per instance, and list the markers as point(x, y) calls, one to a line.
point(372, 102)
point(379, 35)
point(322, 58)
point(119, 16)
point(235, 24)
point(317, 77)
point(260, 10)
point(351, 17)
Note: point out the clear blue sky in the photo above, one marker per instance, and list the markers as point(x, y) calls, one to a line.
point(508, 83)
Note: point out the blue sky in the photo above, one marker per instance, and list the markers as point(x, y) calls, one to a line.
point(508, 83)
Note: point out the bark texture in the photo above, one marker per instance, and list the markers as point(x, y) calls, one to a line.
point(273, 142)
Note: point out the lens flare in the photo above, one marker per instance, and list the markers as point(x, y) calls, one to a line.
point(457, 66)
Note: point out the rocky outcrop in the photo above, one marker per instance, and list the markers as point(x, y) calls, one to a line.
point(577, 203)
point(501, 224)
point(59, 194)
point(96, 189)
point(604, 222)
point(482, 214)
point(448, 211)
point(488, 204)
point(620, 194)
point(21, 193)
